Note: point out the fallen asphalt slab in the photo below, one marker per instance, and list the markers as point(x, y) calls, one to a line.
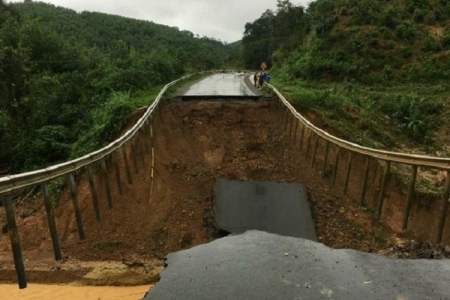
point(276, 207)
point(259, 265)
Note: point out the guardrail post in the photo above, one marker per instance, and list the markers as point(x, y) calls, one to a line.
point(381, 195)
point(292, 124)
point(316, 145)
point(141, 141)
point(284, 112)
point(152, 174)
point(349, 168)
point(296, 129)
point(125, 160)
point(364, 183)
point(444, 209)
point(133, 154)
point(152, 160)
point(137, 145)
point(280, 107)
point(308, 142)
point(51, 222)
point(117, 171)
point(286, 118)
point(15, 241)
point(152, 135)
point(409, 198)
point(146, 135)
point(152, 144)
point(336, 163)
point(143, 144)
point(93, 193)
point(76, 208)
point(325, 162)
point(106, 180)
point(302, 137)
point(159, 112)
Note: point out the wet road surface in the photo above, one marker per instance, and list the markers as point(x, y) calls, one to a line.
point(223, 85)
point(258, 265)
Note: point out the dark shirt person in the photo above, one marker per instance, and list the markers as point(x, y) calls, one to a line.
point(261, 80)
point(264, 76)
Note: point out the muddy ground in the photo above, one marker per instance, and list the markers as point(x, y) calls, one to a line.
point(194, 143)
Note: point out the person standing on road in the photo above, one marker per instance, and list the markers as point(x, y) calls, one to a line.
point(255, 79)
point(264, 76)
point(261, 79)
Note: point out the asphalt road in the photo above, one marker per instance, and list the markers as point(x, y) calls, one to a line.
point(258, 265)
point(222, 85)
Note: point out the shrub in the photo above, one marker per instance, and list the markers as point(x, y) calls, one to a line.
point(355, 44)
point(418, 116)
point(431, 44)
point(445, 39)
point(405, 31)
point(387, 72)
point(388, 18)
point(47, 145)
point(104, 123)
point(419, 15)
point(386, 32)
point(430, 18)
point(406, 52)
point(389, 45)
point(304, 99)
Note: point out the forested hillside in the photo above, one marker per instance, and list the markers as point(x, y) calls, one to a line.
point(67, 79)
point(364, 40)
point(104, 31)
point(375, 71)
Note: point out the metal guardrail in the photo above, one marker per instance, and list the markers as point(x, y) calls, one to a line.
point(20, 182)
point(9, 184)
point(410, 159)
point(385, 158)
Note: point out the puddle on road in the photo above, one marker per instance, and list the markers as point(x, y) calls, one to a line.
point(66, 292)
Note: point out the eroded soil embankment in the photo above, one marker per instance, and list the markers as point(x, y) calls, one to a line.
point(195, 142)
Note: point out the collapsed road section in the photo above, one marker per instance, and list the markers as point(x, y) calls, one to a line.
point(195, 143)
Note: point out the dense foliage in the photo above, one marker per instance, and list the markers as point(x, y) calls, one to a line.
point(67, 78)
point(369, 41)
point(376, 71)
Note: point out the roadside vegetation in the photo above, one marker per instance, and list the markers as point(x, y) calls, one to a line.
point(68, 80)
point(375, 72)
point(397, 117)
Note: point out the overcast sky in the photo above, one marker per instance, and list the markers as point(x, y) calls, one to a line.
point(220, 19)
